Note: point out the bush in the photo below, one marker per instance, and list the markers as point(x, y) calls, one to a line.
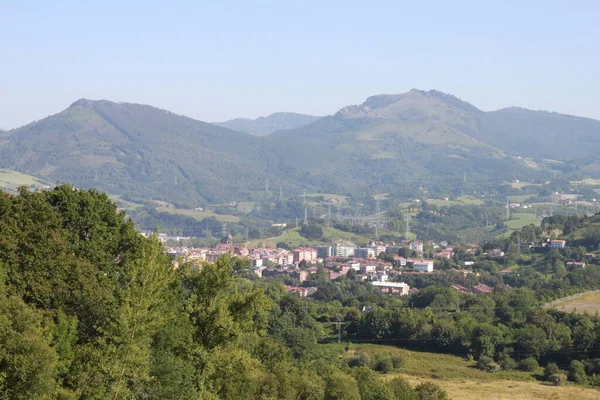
point(360, 359)
point(402, 390)
point(430, 391)
point(383, 364)
point(507, 363)
point(550, 370)
point(487, 364)
point(529, 364)
point(577, 372)
point(398, 361)
point(558, 379)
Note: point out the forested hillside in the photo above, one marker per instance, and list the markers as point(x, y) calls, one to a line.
point(90, 309)
point(428, 139)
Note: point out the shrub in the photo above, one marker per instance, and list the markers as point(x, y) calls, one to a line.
point(550, 370)
point(577, 372)
point(487, 364)
point(383, 363)
point(558, 379)
point(398, 361)
point(430, 391)
point(529, 364)
point(360, 359)
point(506, 362)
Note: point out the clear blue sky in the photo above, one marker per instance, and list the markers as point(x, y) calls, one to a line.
point(215, 60)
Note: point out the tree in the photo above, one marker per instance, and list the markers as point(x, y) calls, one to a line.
point(339, 386)
point(529, 364)
point(402, 390)
point(577, 372)
point(370, 386)
point(28, 365)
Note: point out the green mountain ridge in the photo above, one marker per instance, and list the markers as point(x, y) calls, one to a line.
point(265, 125)
point(389, 143)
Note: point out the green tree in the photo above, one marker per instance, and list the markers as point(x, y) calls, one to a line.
point(28, 365)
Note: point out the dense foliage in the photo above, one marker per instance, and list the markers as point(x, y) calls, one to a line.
point(90, 309)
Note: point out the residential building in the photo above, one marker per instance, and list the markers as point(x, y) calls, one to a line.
point(575, 264)
point(364, 252)
point(343, 251)
point(482, 289)
point(398, 288)
point(423, 265)
point(304, 254)
point(557, 244)
point(417, 246)
point(324, 251)
point(460, 289)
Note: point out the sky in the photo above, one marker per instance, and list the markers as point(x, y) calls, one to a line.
point(216, 60)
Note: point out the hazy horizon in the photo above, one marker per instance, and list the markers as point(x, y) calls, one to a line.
point(215, 62)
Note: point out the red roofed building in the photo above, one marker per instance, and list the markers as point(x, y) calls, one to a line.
point(482, 289)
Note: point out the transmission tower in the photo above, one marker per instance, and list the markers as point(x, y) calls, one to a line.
point(305, 216)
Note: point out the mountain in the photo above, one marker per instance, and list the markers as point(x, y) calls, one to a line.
point(265, 125)
point(138, 150)
point(405, 144)
point(391, 141)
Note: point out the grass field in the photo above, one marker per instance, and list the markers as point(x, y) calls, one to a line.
point(521, 185)
point(11, 180)
point(519, 220)
point(199, 215)
point(589, 302)
point(124, 204)
point(463, 381)
point(520, 198)
point(462, 200)
point(330, 235)
point(589, 182)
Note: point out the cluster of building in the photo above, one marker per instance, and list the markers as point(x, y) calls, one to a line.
point(337, 260)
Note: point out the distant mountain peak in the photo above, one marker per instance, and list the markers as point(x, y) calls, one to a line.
point(265, 125)
point(87, 103)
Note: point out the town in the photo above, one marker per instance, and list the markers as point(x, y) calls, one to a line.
point(383, 265)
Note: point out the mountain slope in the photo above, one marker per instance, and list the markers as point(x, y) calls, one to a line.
point(540, 134)
point(417, 138)
point(139, 150)
point(411, 143)
point(265, 125)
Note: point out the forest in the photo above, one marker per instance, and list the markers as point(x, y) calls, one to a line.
point(91, 309)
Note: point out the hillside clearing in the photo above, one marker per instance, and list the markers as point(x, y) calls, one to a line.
point(462, 380)
point(199, 215)
point(588, 302)
point(11, 180)
point(519, 220)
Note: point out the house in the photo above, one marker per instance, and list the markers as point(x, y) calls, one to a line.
point(558, 244)
point(496, 253)
point(417, 246)
point(482, 289)
point(575, 264)
point(444, 254)
point(399, 288)
point(460, 289)
point(423, 265)
point(506, 271)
